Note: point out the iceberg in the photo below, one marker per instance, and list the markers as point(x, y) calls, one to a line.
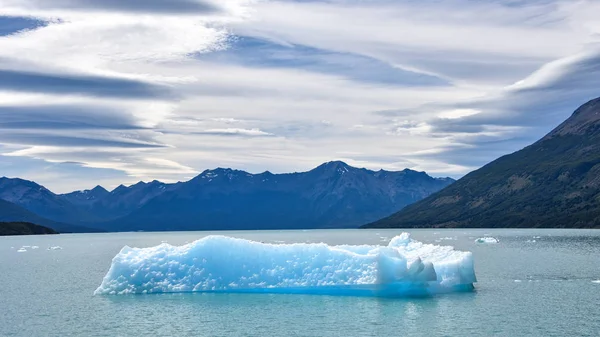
point(487, 239)
point(404, 267)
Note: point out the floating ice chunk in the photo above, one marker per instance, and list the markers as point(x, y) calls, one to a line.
point(54, 248)
point(21, 250)
point(404, 267)
point(518, 281)
point(537, 237)
point(531, 241)
point(596, 281)
point(34, 247)
point(487, 239)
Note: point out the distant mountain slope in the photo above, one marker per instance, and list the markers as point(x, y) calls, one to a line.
point(553, 183)
point(105, 205)
point(333, 195)
point(41, 201)
point(10, 212)
point(23, 228)
point(86, 198)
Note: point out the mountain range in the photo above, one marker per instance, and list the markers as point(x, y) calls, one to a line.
point(554, 182)
point(333, 195)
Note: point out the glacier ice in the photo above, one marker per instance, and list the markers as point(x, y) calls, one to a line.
point(487, 239)
point(404, 267)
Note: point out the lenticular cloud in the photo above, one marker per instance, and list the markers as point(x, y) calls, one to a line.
point(404, 267)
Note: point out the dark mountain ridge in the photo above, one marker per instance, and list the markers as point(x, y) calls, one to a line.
point(333, 195)
point(554, 182)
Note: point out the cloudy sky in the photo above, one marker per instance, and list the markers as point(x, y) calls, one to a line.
point(117, 91)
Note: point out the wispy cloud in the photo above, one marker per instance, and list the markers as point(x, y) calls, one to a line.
point(80, 84)
point(236, 132)
point(146, 6)
point(60, 116)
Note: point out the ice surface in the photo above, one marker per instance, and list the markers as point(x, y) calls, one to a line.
point(487, 239)
point(54, 248)
point(404, 267)
point(596, 281)
point(21, 250)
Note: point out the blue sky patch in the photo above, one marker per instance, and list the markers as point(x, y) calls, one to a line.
point(10, 25)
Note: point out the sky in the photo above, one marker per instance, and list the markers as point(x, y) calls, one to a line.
point(117, 91)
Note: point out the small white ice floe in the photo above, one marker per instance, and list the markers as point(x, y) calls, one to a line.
point(518, 281)
point(531, 241)
point(596, 281)
point(34, 247)
point(54, 248)
point(487, 239)
point(537, 237)
point(447, 238)
point(21, 250)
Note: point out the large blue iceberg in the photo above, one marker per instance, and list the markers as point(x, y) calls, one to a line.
point(404, 267)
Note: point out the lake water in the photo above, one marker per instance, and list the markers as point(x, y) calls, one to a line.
point(541, 288)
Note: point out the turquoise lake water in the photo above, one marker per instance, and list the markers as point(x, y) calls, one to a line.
point(532, 283)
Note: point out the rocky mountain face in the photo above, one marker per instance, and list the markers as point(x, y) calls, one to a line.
point(333, 195)
point(554, 182)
